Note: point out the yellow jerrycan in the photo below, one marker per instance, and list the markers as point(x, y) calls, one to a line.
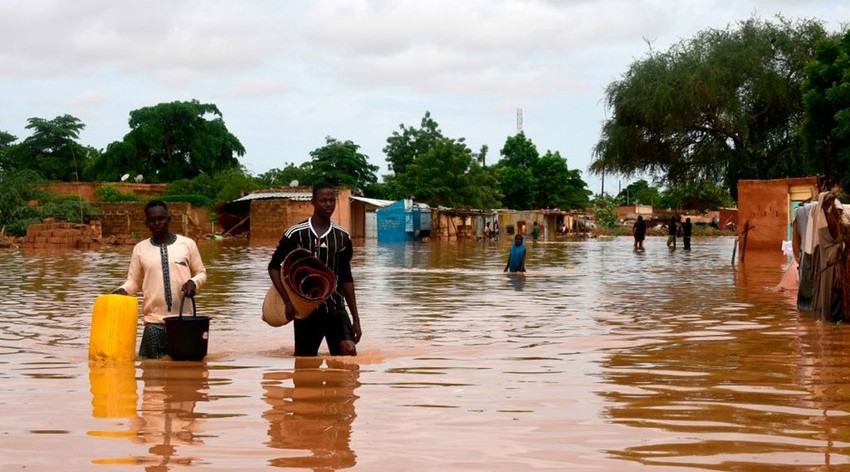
point(114, 323)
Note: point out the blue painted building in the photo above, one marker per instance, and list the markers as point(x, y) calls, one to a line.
point(402, 221)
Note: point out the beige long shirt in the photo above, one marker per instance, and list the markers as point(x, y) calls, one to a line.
point(146, 274)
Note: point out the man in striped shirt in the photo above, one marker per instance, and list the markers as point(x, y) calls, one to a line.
point(331, 244)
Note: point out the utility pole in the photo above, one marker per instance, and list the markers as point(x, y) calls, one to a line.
point(518, 120)
point(603, 183)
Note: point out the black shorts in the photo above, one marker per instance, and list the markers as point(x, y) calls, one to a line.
point(334, 326)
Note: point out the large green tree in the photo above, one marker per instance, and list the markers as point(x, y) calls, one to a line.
point(826, 127)
point(721, 106)
point(449, 175)
point(6, 142)
point(528, 180)
point(436, 169)
point(170, 141)
point(51, 150)
point(697, 196)
point(640, 192)
point(342, 164)
point(516, 173)
point(404, 146)
point(283, 177)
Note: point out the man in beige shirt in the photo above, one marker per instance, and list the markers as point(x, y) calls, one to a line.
point(165, 267)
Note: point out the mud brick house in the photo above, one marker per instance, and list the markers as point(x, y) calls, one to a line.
point(766, 210)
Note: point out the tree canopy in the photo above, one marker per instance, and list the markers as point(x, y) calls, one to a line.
point(529, 181)
point(171, 141)
point(640, 192)
point(52, 150)
point(341, 163)
point(437, 169)
point(722, 106)
point(449, 175)
point(283, 177)
point(826, 127)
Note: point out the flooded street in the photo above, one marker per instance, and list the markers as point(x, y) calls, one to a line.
point(599, 359)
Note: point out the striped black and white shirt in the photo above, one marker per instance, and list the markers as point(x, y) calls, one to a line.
point(333, 248)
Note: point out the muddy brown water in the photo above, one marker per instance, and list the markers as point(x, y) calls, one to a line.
point(599, 359)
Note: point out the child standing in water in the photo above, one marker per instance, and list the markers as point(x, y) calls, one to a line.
point(516, 258)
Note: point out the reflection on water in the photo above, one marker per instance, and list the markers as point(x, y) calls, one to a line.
point(167, 417)
point(113, 389)
point(312, 410)
point(599, 358)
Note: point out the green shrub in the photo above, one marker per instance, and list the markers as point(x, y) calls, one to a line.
point(111, 194)
point(71, 209)
point(605, 211)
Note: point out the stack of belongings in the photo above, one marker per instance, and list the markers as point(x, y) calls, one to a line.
point(824, 262)
point(308, 283)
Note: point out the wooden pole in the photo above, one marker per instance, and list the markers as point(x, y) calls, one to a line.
point(735, 249)
point(744, 244)
point(234, 226)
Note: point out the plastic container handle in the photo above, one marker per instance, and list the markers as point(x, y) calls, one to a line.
point(194, 310)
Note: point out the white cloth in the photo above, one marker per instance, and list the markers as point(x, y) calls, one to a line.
point(145, 274)
point(787, 248)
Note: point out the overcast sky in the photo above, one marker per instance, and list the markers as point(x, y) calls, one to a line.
point(285, 74)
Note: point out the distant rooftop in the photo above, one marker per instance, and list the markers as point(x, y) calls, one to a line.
point(291, 195)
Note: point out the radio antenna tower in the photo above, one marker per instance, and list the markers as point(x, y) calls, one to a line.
point(518, 120)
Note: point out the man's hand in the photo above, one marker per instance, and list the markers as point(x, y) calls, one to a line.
point(189, 289)
point(120, 291)
point(358, 333)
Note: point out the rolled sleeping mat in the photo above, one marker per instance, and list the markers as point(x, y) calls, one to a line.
point(308, 283)
point(307, 280)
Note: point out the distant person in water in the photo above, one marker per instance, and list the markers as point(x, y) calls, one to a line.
point(671, 230)
point(639, 232)
point(516, 258)
point(687, 229)
point(535, 231)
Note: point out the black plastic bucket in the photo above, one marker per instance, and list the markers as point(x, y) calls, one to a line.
point(188, 336)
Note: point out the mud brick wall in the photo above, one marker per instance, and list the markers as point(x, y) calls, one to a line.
point(766, 205)
point(52, 234)
point(125, 218)
point(271, 217)
point(88, 190)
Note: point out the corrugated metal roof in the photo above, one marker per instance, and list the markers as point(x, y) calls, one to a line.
point(303, 196)
point(373, 201)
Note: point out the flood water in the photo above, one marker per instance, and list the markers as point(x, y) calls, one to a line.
point(600, 359)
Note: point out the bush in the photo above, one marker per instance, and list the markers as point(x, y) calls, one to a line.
point(220, 188)
point(111, 194)
point(71, 209)
point(605, 212)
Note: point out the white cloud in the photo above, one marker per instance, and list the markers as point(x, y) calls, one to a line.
point(87, 99)
point(187, 39)
point(350, 69)
point(252, 88)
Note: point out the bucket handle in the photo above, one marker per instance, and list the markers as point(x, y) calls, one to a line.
point(194, 311)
